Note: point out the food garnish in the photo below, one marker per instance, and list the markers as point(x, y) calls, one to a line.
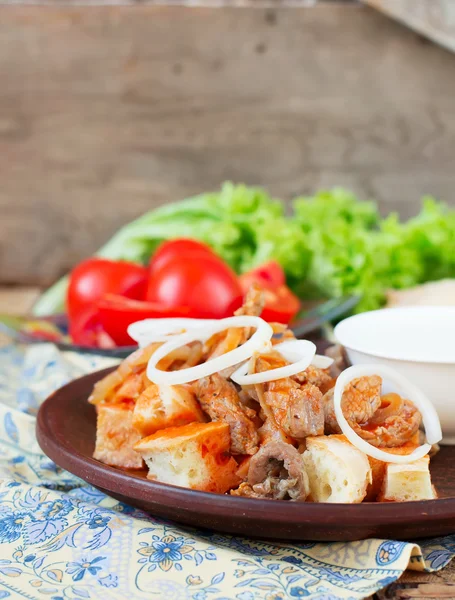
point(258, 341)
point(333, 244)
point(300, 354)
point(184, 279)
point(427, 410)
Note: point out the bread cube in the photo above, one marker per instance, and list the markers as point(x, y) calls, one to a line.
point(163, 406)
point(131, 388)
point(116, 436)
point(195, 456)
point(337, 471)
point(378, 467)
point(127, 381)
point(405, 482)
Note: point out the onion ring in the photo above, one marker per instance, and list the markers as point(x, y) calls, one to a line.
point(302, 352)
point(408, 390)
point(319, 361)
point(149, 331)
point(322, 362)
point(257, 341)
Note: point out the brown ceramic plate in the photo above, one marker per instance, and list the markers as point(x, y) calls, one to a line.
point(66, 432)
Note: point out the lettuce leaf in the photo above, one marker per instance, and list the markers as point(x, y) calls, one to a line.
point(333, 245)
point(355, 252)
point(431, 234)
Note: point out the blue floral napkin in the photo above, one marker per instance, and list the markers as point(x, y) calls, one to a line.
point(62, 539)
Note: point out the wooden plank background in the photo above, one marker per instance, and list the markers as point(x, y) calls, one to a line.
point(435, 19)
point(106, 112)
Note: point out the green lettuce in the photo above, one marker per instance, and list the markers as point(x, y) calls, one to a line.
point(355, 252)
point(333, 244)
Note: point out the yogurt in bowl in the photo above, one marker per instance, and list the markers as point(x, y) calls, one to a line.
point(416, 341)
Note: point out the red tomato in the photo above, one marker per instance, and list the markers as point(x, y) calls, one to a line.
point(116, 313)
point(203, 283)
point(269, 275)
point(281, 305)
point(95, 277)
point(85, 329)
point(180, 247)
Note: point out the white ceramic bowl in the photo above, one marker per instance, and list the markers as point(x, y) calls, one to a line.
point(418, 342)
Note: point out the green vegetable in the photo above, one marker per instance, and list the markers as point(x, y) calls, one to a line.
point(333, 245)
point(355, 252)
point(244, 225)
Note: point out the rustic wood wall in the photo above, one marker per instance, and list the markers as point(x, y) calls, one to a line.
point(435, 19)
point(106, 112)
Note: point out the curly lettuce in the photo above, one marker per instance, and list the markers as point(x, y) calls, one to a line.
point(332, 245)
point(355, 252)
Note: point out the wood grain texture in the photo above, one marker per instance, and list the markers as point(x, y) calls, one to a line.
point(189, 3)
point(18, 300)
point(106, 112)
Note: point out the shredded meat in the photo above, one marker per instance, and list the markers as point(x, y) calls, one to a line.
point(269, 428)
point(225, 341)
point(330, 420)
point(276, 472)
point(387, 421)
point(281, 333)
point(249, 399)
point(395, 429)
point(361, 399)
point(193, 358)
point(253, 303)
point(315, 376)
point(297, 409)
point(246, 491)
point(340, 359)
point(220, 400)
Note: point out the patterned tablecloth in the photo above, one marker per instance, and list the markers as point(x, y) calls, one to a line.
point(62, 539)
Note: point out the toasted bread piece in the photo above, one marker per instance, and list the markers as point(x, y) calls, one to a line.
point(116, 436)
point(127, 377)
point(378, 467)
point(163, 406)
point(195, 456)
point(407, 482)
point(337, 471)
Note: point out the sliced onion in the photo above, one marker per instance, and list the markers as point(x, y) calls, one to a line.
point(406, 389)
point(322, 362)
point(299, 352)
point(260, 338)
point(286, 349)
point(149, 331)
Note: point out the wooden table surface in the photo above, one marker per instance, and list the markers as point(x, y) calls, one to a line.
point(412, 585)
